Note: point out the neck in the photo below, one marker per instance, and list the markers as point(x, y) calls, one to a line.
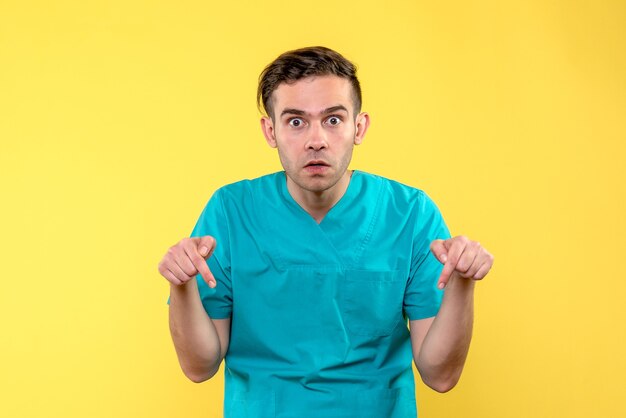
point(317, 204)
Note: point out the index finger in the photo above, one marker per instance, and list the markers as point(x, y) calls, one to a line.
point(201, 265)
point(454, 254)
point(446, 272)
point(439, 250)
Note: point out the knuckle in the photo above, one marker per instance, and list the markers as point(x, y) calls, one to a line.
point(189, 271)
point(184, 243)
point(165, 263)
point(170, 278)
point(197, 259)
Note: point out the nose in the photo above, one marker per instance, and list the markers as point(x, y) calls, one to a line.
point(316, 138)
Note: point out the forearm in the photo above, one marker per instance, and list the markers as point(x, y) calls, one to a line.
point(195, 337)
point(444, 350)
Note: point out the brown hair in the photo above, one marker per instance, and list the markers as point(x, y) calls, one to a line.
point(292, 66)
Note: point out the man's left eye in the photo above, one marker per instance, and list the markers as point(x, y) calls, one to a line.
point(334, 120)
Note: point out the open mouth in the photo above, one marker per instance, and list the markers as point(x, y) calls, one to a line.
point(317, 163)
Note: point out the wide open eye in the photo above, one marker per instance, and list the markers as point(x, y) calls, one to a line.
point(295, 122)
point(333, 121)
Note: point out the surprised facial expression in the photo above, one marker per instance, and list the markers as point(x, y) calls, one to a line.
point(314, 129)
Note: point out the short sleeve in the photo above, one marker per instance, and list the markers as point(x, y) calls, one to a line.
point(422, 298)
point(213, 221)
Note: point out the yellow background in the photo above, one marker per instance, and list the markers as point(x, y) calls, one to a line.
point(118, 119)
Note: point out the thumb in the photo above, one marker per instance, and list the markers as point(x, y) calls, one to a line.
point(206, 245)
point(439, 250)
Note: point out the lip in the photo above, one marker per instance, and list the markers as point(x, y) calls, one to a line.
point(317, 163)
point(317, 167)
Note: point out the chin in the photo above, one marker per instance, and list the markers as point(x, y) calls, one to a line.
point(322, 184)
point(314, 184)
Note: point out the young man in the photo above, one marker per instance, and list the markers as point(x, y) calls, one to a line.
point(307, 277)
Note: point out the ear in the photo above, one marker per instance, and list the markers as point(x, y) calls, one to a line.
point(362, 123)
point(268, 131)
point(267, 126)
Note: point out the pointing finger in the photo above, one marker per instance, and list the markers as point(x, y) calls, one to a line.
point(201, 264)
point(439, 250)
point(206, 245)
point(454, 254)
point(447, 271)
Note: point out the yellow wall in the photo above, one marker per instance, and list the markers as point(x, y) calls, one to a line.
point(119, 118)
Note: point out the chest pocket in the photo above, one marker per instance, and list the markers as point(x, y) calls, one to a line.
point(371, 301)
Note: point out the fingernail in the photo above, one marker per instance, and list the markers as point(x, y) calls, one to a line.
point(204, 251)
point(444, 258)
point(441, 285)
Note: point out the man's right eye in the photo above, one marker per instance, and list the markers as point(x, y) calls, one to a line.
point(295, 122)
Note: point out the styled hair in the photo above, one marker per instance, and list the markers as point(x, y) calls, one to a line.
point(292, 66)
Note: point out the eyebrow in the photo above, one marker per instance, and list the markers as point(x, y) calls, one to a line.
point(332, 109)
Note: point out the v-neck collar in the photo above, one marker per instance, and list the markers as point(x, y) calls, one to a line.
point(348, 196)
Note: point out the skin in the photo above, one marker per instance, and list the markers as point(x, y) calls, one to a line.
point(200, 342)
point(314, 122)
point(440, 344)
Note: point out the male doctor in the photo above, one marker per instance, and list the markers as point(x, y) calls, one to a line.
point(304, 280)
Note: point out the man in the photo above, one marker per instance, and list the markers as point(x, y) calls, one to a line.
point(308, 276)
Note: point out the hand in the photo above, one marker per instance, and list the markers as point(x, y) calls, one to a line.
point(461, 255)
point(186, 259)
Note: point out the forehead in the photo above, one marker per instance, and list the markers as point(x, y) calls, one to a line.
point(313, 94)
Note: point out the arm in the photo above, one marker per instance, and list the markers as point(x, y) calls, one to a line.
point(440, 344)
point(201, 342)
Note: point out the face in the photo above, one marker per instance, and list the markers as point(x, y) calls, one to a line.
point(315, 130)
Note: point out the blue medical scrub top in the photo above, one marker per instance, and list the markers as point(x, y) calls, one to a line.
point(319, 311)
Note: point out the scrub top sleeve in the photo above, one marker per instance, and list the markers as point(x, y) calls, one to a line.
point(422, 298)
point(217, 302)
